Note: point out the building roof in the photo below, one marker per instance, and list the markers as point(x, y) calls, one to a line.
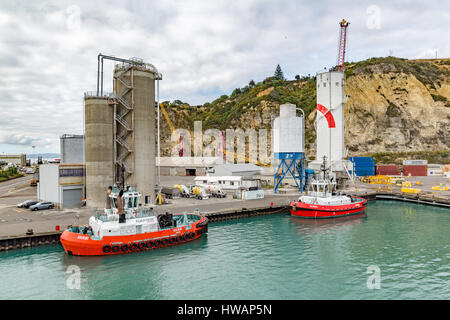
point(240, 167)
point(189, 162)
point(217, 178)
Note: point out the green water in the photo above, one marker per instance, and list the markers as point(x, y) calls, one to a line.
point(267, 257)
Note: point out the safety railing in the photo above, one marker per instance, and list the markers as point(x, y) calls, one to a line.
point(123, 122)
point(94, 94)
point(123, 143)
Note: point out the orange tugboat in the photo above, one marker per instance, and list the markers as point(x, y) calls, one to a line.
point(139, 229)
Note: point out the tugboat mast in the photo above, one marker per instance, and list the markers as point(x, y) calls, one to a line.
point(323, 167)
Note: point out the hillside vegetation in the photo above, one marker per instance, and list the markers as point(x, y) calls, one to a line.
point(394, 105)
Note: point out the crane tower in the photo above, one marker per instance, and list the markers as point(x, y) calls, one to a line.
point(342, 43)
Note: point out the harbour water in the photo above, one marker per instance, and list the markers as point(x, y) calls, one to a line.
point(266, 257)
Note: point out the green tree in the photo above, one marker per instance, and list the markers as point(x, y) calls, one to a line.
point(279, 73)
point(251, 84)
point(236, 92)
point(297, 77)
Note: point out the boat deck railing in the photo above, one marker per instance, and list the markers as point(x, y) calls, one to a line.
point(143, 212)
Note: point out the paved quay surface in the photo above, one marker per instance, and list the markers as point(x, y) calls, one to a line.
point(15, 221)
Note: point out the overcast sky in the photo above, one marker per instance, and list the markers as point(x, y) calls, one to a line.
point(48, 49)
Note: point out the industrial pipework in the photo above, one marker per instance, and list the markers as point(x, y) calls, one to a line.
point(136, 62)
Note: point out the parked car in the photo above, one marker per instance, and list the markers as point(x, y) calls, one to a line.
point(42, 205)
point(27, 203)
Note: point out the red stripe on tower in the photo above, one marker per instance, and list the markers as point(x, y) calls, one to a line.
point(327, 114)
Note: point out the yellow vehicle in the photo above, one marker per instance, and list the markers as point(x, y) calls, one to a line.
point(411, 190)
point(200, 193)
point(35, 180)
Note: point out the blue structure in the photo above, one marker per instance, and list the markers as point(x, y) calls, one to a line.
point(363, 166)
point(309, 174)
point(291, 163)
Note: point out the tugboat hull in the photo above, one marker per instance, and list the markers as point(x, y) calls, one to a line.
point(83, 245)
point(314, 211)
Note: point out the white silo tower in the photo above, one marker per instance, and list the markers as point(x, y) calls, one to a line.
point(288, 139)
point(330, 120)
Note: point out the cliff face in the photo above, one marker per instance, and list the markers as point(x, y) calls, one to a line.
point(393, 105)
point(389, 110)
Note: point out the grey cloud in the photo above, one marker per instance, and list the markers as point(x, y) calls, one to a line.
point(204, 49)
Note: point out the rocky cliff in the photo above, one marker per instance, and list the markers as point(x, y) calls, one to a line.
point(393, 105)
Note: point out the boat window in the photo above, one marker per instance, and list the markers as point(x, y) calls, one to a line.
point(114, 203)
point(136, 199)
point(130, 202)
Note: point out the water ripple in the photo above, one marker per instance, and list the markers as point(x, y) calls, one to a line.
point(267, 257)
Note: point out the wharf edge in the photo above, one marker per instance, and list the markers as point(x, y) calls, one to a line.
point(48, 238)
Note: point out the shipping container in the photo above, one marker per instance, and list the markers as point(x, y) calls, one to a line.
point(415, 162)
point(363, 166)
point(415, 170)
point(387, 170)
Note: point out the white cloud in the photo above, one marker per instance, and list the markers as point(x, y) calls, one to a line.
point(48, 49)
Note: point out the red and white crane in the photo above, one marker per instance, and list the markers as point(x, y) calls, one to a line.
point(342, 43)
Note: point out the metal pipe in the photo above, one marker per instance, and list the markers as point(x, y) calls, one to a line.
point(101, 83)
point(100, 58)
point(98, 71)
point(301, 111)
point(159, 143)
point(329, 141)
point(303, 128)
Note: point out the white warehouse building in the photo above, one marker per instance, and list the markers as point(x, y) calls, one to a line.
point(245, 170)
point(61, 184)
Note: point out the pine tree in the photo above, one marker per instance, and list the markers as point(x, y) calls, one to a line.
point(279, 73)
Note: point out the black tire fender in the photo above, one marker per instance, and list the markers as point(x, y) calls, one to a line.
point(141, 245)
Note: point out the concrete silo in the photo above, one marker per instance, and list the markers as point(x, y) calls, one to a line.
point(134, 127)
point(330, 117)
point(99, 151)
point(330, 121)
point(288, 146)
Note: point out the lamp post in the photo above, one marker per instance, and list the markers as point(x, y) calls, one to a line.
point(33, 154)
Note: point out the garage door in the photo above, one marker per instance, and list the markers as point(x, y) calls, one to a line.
point(72, 198)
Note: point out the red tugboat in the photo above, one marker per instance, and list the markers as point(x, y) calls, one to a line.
point(141, 229)
point(322, 201)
